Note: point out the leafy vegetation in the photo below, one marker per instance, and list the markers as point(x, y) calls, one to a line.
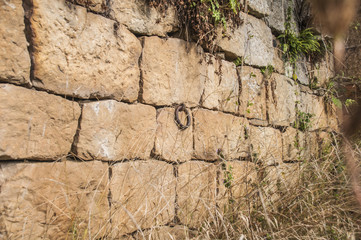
point(201, 18)
point(303, 120)
point(296, 45)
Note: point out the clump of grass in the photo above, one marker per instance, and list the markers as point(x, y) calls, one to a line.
point(318, 205)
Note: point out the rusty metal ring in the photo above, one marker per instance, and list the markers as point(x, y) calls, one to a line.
point(182, 108)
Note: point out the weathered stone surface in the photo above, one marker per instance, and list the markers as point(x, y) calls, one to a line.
point(167, 233)
point(143, 195)
point(218, 134)
point(196, 191)
point(82, 54)
point(314, 105)
point(171, 143)
point(221, 86)
point(252, 100)
point(142, 19)
point(53, 200)
point(266, 144)
point(237, 179)
point(99, 6)
point(252, 41)
point(14, 55)
point(35, 125)
point(172, 72)
point(112, 130)
point(276, 19)
point(321, 72)
point(282, 100)
point(278, 63)
point(259, 8)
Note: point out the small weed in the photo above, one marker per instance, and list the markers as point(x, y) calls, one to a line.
point(238, 62)
point(303, 121)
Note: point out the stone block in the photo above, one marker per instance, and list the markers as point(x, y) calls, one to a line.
point(259, 8)
point(282, 100)
point(321, 72)
point(252, 41)
point(252, 100)
point(143, 195)
point(221, 86)
point(172, 143)
point(297, 145)
point(35, 125)
point(141, 18)
point(57, 200)
point(81, 54)
point(218, 134)
point(196, 191)
point(172, 72)
point(237, 180)
point(14, 55)
point(276, 19)
point(312, 104)
point(266, 145)
point(111, 130)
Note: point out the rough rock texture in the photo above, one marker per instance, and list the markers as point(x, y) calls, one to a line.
point(221, 86)
point(82, 54)
point(252, 41)
point(32, 128)
point(53, 200)
point(143, 195)
point(297, 145)
point(259, 8)
point(321, 72)
point(313, 104)
point(99, 6)
point(237, 179)
point(171, 143)
point(276, 19)
point(111, 130)
point(172, 72)
point(14, 55)
point(281, 100)
point(140, 18)
point(196, 191)
point(266, 144)
point(252, 100)
point(218, 134)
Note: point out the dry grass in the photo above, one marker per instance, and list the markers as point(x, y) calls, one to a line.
point(318, 205)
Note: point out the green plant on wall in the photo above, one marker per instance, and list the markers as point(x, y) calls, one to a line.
point(303, 120)
point(296, 45)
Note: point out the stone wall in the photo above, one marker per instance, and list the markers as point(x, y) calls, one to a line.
point(88, 142)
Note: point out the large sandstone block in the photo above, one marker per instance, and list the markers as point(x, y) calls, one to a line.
point(237, 179)
point(14, 55)
point(252, 100)
point(111, 130)
point(143, 19)
point(196, 191)
point(221, 86)
point(266, 144)
point(282, 94)
point(217, 134)
point(54, 200)
point(172, 143)
point(312, 104)
point(81, 54)
point(252, 41)
point(143, 195)
point(172, 72)
point(35, 125)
